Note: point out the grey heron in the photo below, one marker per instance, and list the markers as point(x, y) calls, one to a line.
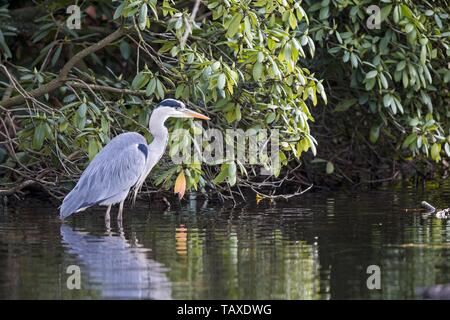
point(124, 163)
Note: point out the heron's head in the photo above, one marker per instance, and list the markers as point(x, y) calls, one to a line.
point(172, 108)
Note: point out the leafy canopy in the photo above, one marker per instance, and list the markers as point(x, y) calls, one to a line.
point(241, 62)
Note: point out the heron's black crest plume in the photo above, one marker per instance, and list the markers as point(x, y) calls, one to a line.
point(171, 103)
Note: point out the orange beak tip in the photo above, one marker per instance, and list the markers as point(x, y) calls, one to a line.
point(197, 115)
point(202, 117)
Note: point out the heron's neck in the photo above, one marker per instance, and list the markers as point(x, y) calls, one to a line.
point(160, 137)
point(155, 149)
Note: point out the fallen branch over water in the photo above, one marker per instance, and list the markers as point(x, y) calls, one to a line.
point(428, 206)
point(444, 213)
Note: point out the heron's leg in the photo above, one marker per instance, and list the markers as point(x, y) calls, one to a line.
point(107, 217)
point(120, 228)
point(108, 227)
point(119, 216)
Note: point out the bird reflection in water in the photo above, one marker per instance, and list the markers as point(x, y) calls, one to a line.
point(116, 268)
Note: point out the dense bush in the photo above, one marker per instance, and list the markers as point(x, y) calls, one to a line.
point(242, 63)
point(396, 77)
point(248, 65)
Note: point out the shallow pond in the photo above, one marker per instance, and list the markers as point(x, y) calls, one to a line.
point(317, 246)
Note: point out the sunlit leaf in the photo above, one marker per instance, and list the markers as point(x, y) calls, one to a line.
point(180, 185)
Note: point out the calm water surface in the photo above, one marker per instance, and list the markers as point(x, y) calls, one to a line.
point(317, 246)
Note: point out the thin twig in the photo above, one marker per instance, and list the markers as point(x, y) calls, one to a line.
point(97, 87)
point(188, 30)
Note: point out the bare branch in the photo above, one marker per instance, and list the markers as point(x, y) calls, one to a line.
point(97, 87)
point(57, 82)
point(188, 25)
point(17, 188)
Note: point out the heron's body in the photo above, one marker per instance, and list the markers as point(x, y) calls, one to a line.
point(108, 180)
point(123, 164)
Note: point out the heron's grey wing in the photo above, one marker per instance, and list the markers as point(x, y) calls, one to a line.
point(114, 170)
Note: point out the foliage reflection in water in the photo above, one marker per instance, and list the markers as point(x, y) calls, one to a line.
point(315, 247)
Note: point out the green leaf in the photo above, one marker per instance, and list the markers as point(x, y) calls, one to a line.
point(119, 10)
point(270, 117)
point(322, 92)
point(435, 152)
point(159, 89)
point(313, 148)
point(354, 60)
point(292, 20)
point(409, 27)
point(413, 122)
point(223, 174)
point(387, 100)
point(438, 21)
point(38, 137)
point(275, 69)
point(401, 65)
point(423, 55)
point(384, 81)
point(396, 14)
point(260, 57)
point(324, 13)
point(371, 74)
point(406, 11)
point(410, 139)
point(233, 28)
point(139, 81)
point(143, 16)
point(92, 148)
point(405, 80)
point(330, 167)
point(345, 104)
point(125, 49)
point(370, 84)
point(153, 8)
point(385, 11)
point(56, 55)
point(238, 112)
point(447, 149)
point(257, 71)
point(221, 81)
point(82, 110)
point(232, 173)
point(150, 90)
point(374, 133)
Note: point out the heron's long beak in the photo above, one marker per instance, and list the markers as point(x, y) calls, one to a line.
point(193, 114)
